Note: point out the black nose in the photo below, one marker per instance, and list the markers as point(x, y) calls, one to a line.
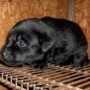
point(7, 55)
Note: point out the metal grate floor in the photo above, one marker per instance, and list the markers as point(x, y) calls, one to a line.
point(53, 78)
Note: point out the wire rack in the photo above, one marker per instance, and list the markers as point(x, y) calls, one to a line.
point(53, 78)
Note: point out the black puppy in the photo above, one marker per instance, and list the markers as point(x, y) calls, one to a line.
point(39, 41)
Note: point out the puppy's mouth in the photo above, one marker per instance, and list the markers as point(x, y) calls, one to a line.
point(11, 62)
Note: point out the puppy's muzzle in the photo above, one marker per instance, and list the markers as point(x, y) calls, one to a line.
point(7, 55)
point(8, 58)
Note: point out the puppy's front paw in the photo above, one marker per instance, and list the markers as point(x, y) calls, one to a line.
point(38, 65)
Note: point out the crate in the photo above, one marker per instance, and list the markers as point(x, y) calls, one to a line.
point(53, 78)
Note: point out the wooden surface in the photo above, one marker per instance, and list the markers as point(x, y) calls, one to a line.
point(82, 17)
point(88, 22)
point(11, 11)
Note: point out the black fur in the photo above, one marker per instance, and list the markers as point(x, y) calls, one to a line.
point(39, 41)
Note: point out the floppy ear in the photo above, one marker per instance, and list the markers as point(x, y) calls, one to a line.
point(46, 42)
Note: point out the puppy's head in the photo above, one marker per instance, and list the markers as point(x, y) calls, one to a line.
point(28, 41)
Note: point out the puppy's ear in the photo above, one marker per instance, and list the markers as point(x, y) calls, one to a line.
point(46, 42)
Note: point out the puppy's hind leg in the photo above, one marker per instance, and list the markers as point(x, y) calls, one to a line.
point(80, 57)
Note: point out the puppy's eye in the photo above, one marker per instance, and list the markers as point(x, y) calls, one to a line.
point(21, 43)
